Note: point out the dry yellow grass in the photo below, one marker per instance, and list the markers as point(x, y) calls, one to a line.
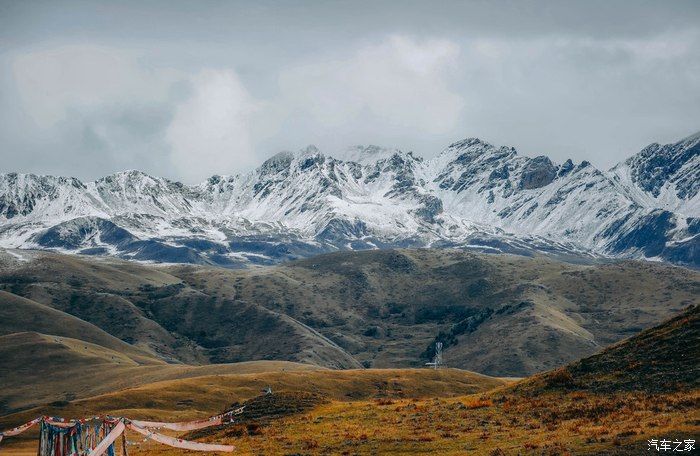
point(195, 397)
point(202, 396)
point(560, 424)
point(409, 414)
point(501, 423)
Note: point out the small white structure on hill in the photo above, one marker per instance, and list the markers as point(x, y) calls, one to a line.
point(437, 359)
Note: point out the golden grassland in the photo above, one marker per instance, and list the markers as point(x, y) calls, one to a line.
point(198, 397)
point(496, 423)
point(574, 423)
point(191, 398)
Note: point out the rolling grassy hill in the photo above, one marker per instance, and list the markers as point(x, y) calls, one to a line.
point(210, 389)
point(497, 314)
point(155, 311)
point(19, 315)
point(38, 369)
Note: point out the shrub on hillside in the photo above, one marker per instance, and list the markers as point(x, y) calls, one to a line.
point(560, 378)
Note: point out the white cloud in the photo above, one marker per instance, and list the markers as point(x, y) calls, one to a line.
point(55, 82)
point(109, 106)
point(399, 82)
point(210, 132)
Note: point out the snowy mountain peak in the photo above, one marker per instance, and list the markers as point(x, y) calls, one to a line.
point(130, 180)
point(472, 151)
point(467, 143)
point(277, 163)
point(27, 181)
point(296, 204)
point(666, 176)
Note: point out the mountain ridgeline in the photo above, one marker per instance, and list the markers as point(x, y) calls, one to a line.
point(296, 205)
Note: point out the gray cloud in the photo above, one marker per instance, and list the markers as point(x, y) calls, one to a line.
point(191, 89)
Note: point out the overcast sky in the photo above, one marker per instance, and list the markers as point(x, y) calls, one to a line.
point(190, 89)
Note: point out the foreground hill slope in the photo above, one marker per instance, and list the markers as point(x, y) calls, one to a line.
point(38, 369)
point(500, 315)
point(208, 389)
point(665, 358)
point(613, 403)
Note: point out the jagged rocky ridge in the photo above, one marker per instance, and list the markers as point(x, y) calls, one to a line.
point(472, 195)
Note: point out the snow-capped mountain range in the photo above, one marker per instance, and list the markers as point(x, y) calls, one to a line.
point(472, 195)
